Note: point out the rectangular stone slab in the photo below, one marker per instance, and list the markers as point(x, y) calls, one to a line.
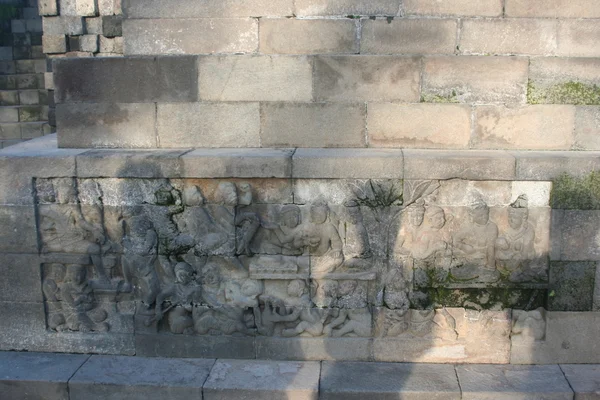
point(584, 380)
point(263, 380)
point(37, 376)
point(498, 382)
point(381, 381)
point(134, 378)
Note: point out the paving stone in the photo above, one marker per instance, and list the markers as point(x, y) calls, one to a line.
point(208, 125)
point(180, 36)
point(119, 163)
point(207, 9)
point(348, 163)
point(108, 125)
point(37, 376)
point(409, 36)
point(312, 125)
point(185, 346)
point(255, 78)
point(343, 78)
point(238, 163)
point(307, 8)
point(314, 349)
point(578, 38)
point(510, 36)
point(553, 8)
point(485, 8)
point(475, 79)
point(499, 382)
point(571, 286)
point(295, 36)
point(466, 164)
point(21, 280)
point(587, 128)
point(419, 125)
point(265, 380)
point(126, 80)
point(584, 380)
point(139, 378)
point(350, 381)
point(546, 165)
point(580, 229)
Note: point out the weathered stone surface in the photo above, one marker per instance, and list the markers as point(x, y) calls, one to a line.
point(109, 125)
point(475, 79)
point(348, 163)
point(596, 300)
point(180, 36)
point(125, 80)
point(486, 8)
point(564, 81)
point(552, 8)
point(270, 380)
point(294, 36)
point(208, 125)
point(578, 38)
point(343, 78)
point(587, 128)
point(237, 163)
point(78, 7)
point(63, 25)
point(23, 325)
point(20, 278)
point(510, 36)
point(194, 346)
point(48, 7)
point(506, 382)
point(255, 78)
point(419, 125)
point(19, 232)
point(37, 376)
point(571, 337)
point(543, 166)
point(308, 8)
point(135, 378)
point(571, 286)
point(317, 349)
point(409, 36)
point(580, 230)
point(207, 9)
point(312, 125)
point(441, 164)
point(54, 44)
point(351, 381)
point(583, 379)
point(130, 163)
point(544, 127)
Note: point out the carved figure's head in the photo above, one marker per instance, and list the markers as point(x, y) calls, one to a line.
point(76, 273)
point(164, 197)
point(518, 212)
point(319, 212)
point(296, 288)
point(227, 194)
point(65, 191)
point(290, 216)
point(245, 194)
point(183, 273)
point(479, 212)
point(436, 217)
point(416, 212)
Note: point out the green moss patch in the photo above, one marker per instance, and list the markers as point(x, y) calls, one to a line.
point(572, 193)
point(564, 93)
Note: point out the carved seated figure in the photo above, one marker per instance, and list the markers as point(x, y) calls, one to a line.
point(355, 321)
point(323, 240)
point(181, 295)
point(81, 312)
point(409, 231)
point(432, 241)
point(287, 235)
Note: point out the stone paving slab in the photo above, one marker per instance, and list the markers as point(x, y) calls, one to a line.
point(140, 378)
point(381, 381)
point(584, 380)
point(510, 382)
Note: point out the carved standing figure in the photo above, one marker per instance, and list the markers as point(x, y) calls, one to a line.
point(79, 305)
point(323, 240)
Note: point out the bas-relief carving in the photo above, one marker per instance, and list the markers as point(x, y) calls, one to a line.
point(227, 266)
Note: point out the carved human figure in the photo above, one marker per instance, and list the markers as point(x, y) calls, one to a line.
point(351, 295)
point(323, 240)
point(311, 322)
point(350, 320)
point(409, 231)
point(51, 288)
point(395, 294)
point(357, 249)
point(169, 203)
point(181, 295)
point(529, 326)
point(247, 222)
point(277, 310)
point(517, 243)
point(288, 232)
point(79, 306)
point(325, 292)
point(432, 239)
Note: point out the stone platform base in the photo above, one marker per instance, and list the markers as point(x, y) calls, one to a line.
point(51, 376)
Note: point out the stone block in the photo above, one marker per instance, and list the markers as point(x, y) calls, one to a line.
point(139, 378)
point(37, 376)
point(343, 8)
point(587, 128)
point(86, 125)
point(93, 26)
point(23, 325)
point(194, 346)
point(552, 8)
point(112, 25)
point(111, 45)
point(63, 25)
point(48, 7)
point(508, 36)
point(579, 231)
point(475, 79)
point(409, 36)
point(7, 67)
point(507, 382)
point(130, 163)
point(10, 131)
point(596, 300)
point(571, 286)
point(30, 81)
point(126, 80)
point(583, 379)
point(564, 81)
point(269, 380)
point(78, 7)
point(419, 125)
point(89, 43)
point(486, 8)
point(544, 166)
point(237, 163)
point(578, 38)
point(353, 381)
point(208, 125)
point(31, 114)
point(180, 36)
point(255, 78)
point(308, 36)
point(6, 53)
point(18, 230)
point(312, 125)
point(29, 97)
point(54, 44)
point(348, 163)
point(207, 9)
point(110, 7)
point(20, 278)
point(543, 127)
point(9, 98)
point(32, 130)
point(570, 337)
point(390, 78)
point(468, 164)
point(314, 349)
point(9, 114)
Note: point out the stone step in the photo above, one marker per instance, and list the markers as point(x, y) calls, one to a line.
point(52, 376)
